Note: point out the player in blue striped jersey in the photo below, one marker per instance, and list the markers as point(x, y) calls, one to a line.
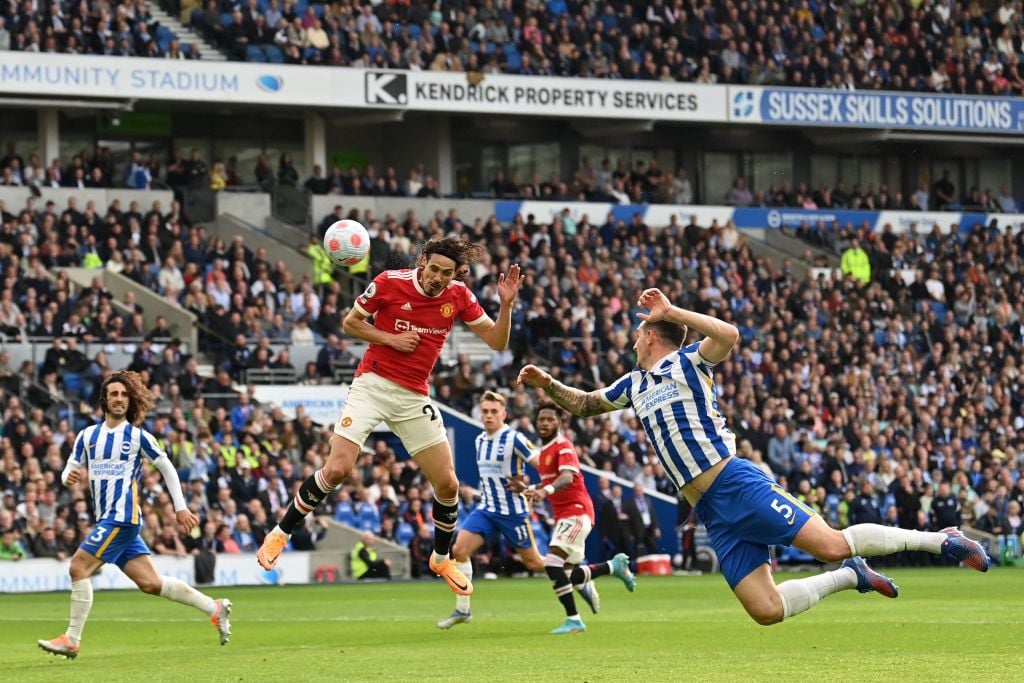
point(673, 395)
point(501, 454)
point(112, 453)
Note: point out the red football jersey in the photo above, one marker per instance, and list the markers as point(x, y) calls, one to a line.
point(572, 501)
point(398, 304)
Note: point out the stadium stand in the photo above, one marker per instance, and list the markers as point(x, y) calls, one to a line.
point(122, 29)
point(967, 48)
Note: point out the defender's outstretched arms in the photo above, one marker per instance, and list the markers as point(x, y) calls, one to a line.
point(576, 401)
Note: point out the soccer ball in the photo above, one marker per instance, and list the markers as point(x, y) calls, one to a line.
point(346, 242)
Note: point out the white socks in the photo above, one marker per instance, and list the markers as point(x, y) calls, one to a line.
point(179, 591)
point(81, 603)
point(799, 595)
point(871, 540)
point(462, 601)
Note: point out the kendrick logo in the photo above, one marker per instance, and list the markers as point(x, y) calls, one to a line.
point(447, 310)
point(387, 88)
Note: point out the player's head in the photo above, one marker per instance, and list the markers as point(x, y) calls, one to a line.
point(442, 259)
point(492, 411)
point(657, 339)
point(123, 395)
point(547, 419)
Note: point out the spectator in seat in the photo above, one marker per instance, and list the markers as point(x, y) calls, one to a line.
point(317, 183)
point(286, 173)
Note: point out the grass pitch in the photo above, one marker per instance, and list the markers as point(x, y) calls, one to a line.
point(946, 624)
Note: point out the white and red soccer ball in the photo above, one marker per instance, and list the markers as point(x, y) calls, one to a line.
point(346, 242)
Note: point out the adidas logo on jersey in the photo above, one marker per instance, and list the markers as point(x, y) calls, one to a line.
point(406, 306)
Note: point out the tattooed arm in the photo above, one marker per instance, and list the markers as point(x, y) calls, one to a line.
point(577, 402)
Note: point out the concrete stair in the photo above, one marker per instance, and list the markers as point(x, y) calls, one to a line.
point(186, 35)
point(463, 341)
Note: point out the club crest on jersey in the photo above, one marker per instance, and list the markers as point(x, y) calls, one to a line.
point(547, 460)
point(346, 422)
point(447, 310)
point(126, 448)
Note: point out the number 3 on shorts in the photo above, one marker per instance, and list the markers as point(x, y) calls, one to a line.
point(97, 535)
point(785, 510)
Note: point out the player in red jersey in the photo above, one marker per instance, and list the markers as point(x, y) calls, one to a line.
point(413, 311)
point(561, 482)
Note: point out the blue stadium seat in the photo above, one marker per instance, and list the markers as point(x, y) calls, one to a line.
point(512, 57)
point(225, 19)
point(274, 54)
point(344, 513)
point(415, 31)
point(367, 517)
point(404, 533)
point(887, 502)
point(253, 53)
point(74, 384)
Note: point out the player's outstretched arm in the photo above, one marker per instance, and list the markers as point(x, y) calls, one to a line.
point(719, 336)
point(356, 325)
point(496, 334)
point(576, 401)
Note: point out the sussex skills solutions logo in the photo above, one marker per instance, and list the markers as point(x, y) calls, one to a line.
point(745, 104)
point(386, 88)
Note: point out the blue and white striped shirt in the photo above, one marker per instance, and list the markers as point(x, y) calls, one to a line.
point(112, 457)
point(499, 456)
point(677, 404)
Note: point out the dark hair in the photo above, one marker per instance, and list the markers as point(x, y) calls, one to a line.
point(547, 405)
point(463, 252)
point(671, 332)
point(139, 398)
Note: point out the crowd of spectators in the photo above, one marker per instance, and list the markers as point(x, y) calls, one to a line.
point(120, 28)
point(870, 400)
point(646, 182)
point(936, 46)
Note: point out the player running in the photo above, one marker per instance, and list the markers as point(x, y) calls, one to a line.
point(413, 311)
point(501, 453)
point(561, 481)
point(744, 511)
point(110, 451)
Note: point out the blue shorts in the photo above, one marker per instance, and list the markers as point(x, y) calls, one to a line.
point(115, 543)
point(515, 528)
point(745, 512)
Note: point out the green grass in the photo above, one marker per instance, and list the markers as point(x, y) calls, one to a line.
point(947, 624)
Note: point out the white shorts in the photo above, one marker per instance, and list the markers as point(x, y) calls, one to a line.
point(570, 534)
point(373, 399)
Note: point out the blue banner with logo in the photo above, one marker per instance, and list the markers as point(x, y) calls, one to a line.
point(791, 218)
point(869, 109)
point(747, 218)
